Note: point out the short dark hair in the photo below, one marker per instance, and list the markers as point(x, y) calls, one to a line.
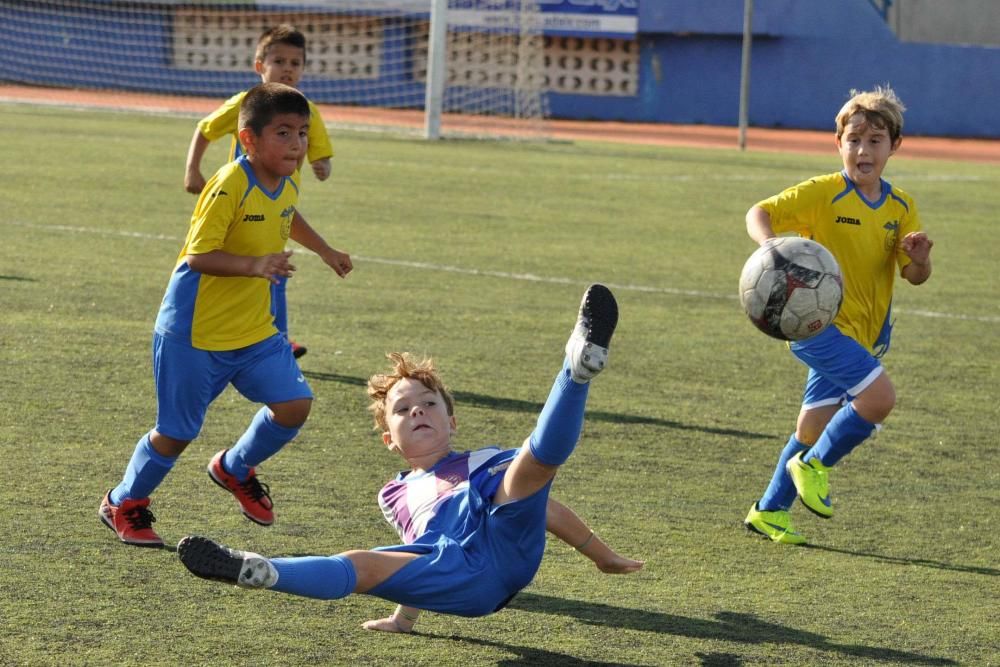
point(280, 34)
point(265, 101)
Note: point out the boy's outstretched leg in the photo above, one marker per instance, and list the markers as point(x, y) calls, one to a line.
point(317, 577)
point(561, 420)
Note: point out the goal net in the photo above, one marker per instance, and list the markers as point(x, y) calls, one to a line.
point(373, 59)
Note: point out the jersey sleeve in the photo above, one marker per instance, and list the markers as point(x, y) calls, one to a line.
point(224, 120)
point(215, 212)
point(319, 140)
point(909, 223)
point(795, 209)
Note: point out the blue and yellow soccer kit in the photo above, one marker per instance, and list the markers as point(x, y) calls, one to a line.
point(864, 237)
point(216, 330)
point(235, 214)
point(225, 121)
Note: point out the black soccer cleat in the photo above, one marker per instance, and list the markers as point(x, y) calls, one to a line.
point(587, 348)
point(210, 560)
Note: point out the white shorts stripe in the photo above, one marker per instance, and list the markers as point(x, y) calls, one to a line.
point(861, 386)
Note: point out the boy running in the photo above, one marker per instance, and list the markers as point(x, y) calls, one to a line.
point(873, 229)
point(215, 327)
point(280, 58)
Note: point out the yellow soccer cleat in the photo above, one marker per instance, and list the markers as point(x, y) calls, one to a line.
point(812, 484)
point(776, 525)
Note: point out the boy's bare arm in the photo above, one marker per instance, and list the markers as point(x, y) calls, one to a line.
point(194, 182)
point(224, 264)
point(759, 224)
point(303, 233)
point(564, 523)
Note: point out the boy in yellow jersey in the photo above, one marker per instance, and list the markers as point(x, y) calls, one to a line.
point(280, 58)
point(215, 326)
point(873, 230)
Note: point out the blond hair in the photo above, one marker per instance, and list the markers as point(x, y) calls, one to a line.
point(404, 367)
point(880, 107)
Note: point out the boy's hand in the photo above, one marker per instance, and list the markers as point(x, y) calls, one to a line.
point(340, 262)
point(273, 266)
point(917, 247)
point(619, 565)
point(194, 182)
point(322, 168)
point(388, 624)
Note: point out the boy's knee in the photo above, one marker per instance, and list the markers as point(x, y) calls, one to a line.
point(877, 401)
point(291, 414)
point(165, 445)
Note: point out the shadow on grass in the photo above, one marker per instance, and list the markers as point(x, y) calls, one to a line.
point(923, 562)
point(529, 655)
point(532, 407)
point(19, 278)
point(726, 626)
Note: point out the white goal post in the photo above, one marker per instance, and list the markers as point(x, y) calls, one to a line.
point(459, 66)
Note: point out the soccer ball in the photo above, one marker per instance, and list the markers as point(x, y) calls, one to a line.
point(791, 288)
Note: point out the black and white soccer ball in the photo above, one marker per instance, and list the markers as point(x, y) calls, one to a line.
point(791, 288)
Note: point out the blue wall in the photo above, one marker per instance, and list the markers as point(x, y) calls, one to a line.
point(807, 55)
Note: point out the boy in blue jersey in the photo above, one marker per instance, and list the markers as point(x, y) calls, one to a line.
point(280, 58)
point(871, 228)
point(472, 524)
point(215, 326)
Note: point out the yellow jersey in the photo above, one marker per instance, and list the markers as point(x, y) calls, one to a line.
point(862, 235)
point(225, 120)
point(237, 215)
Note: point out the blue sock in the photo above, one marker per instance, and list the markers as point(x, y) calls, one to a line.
point(262, 440)
point(780, 493)
point(845, 431)
point(324, 578)
point(146, 469)
point(561, 421)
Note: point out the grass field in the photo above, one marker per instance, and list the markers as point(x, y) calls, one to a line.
point(477, 253)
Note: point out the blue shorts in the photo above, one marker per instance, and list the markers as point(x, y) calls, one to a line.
point(840, 368)
point(188, 380)
point(480, 574)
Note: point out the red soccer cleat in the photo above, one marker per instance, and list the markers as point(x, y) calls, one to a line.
point(297, 350)
point(253, 497)
point(132, 521)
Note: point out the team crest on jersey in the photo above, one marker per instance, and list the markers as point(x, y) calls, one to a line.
point(891, 234)
point(286, 222)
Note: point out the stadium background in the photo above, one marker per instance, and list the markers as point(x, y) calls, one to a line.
point(662, 61)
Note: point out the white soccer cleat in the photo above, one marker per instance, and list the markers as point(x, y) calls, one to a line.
point(587, 347)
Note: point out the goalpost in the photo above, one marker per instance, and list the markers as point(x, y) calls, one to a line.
point(434, 67)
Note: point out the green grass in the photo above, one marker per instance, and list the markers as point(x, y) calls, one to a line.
point(476, 253)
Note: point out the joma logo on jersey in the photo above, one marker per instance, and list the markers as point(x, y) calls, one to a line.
point(844, 220)
point(253, 217)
